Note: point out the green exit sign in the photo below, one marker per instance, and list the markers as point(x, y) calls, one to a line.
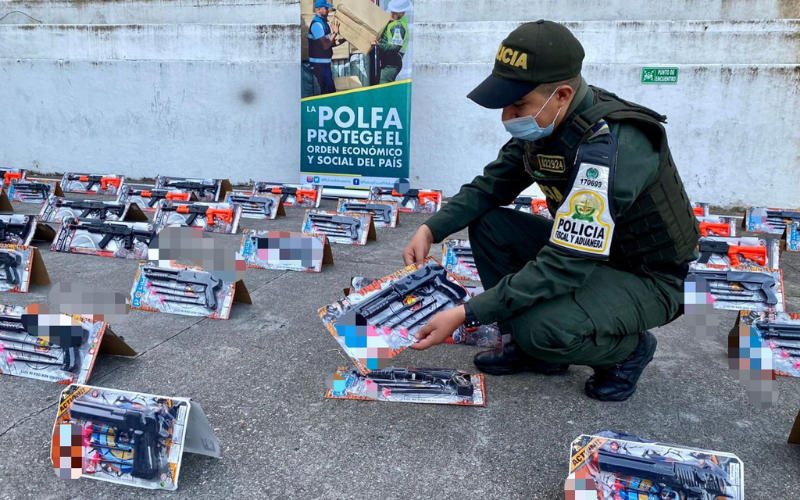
point(659, 75)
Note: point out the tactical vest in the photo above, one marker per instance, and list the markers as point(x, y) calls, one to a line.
point(315, 48)
point(395, 33)
point(659, 231)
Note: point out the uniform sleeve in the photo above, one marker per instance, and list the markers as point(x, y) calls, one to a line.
point(317, 31)
point(501, 182)
point(554, 273)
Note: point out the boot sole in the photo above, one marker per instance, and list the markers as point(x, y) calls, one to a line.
point(624, 396)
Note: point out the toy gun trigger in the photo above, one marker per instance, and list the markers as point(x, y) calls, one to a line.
point(224, 214)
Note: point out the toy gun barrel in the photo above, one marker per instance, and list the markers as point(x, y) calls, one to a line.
point(787, 331)
point(192, 185)
point(749, 280)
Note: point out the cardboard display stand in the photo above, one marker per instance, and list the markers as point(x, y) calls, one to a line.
point(33, 190)
point(56, 209)
point(20, 267)
point(284, 250)
point(794, 434)
point(102, 421)
point(83, 183)
point(5, 201)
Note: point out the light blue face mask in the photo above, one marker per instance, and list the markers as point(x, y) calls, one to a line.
point(526, 127)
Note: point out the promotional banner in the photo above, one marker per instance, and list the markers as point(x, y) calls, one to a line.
point(356, 92)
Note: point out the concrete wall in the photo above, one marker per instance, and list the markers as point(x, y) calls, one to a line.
point(212, 87)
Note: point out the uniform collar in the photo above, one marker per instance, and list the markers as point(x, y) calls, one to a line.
point(582, 101)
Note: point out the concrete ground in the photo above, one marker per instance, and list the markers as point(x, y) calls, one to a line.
point(260, 377)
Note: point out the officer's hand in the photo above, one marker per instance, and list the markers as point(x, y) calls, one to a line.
point(374, 41)
point(439, 328)
point(335, 26)
point(419, 246)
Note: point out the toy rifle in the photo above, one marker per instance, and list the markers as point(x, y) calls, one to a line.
point(92, 180)
point(188, 283)
point(140, 426)
point(301, 195)
point(694, 481)
point(111, 231)
point(420, 381)
point(10, 227)
point(708, 248)
point(422, 196)
point(15, 338)
point(29, 189)
point(253, 204)
point(381, 213)
point(11, 176)
point(87, 207)
point(199, 188)
point(337, 225)
point(715, 229)
point(10, 262)
point(154, 195)
point(210, 214)
point(785, 331)
point(749, 280)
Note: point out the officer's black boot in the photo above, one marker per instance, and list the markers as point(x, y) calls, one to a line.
point(512, 359)
point(618, 383)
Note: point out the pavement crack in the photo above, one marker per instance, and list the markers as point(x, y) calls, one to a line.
point(26, 418)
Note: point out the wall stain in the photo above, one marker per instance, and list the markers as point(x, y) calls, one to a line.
point(248, 96)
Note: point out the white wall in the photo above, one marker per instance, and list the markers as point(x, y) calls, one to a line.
point(192, 87)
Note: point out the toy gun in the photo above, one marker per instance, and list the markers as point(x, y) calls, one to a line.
point(253, 204)
point(19, 229)
point(381, 213)
point(198, 187)
point(184, 285)
point(420, 381)
point(422, 196)
point(782, 217)
point(301, 195)
point(87, 207)
point(699, 211)
point(92, 180)
point(140, 426)
point(33, 188)
point(337, 225)
point(209, 213)
point(15, 337)
point(715, 229)
point(749, 281)
point(785, 331)
point(159, 194)
point(10, 262)
point(537, 205)
point(112, 231)
point(757, 254)
point(11, 176)
point(464, 255)
point(695, 481)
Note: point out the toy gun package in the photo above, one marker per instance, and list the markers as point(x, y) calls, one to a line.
point(55, 209)
point(128, 438)
point(457, 258)
point(717, 226)
point(621, 467)
point(292, 195)
point(210, 217)
point(264, 206)
point(17, 229)
point(202, 189)
point(731, 252)
point(147, 198)
point(12, 175)
point(531, 205)
point(770, 220)
point(348, 229)
point(285, 251)
point(418, 201)
point(33, 191)
point(74, 182)
point(736, 288)
point(20, 267)
point(780, 331)
point(701, 209)
point(123, 240)
point(384, 213)
point(793, 237)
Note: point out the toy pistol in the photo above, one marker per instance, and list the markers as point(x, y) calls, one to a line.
point(33, 188)
point(757, 254)
point(187, 281)
point(199, 188)
point(381, 213)
point(210, 214)
point(10, 227)
point(750, 281)
point(420, 381)
point(715, 229)
point(422, 196)
point(253, 204)
point(301, 195)
point(92, 180)
point(141, 427)
point(10, 262)
point(11, 176)
point(154, 195)
point(110, 231)
point(337, 225)
point(695, 482)
point(88, 207)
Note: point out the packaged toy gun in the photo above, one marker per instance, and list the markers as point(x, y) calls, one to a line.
point(18, 345)
point(698, 211)
point(337, 225)
point(154, 195)
point(10, 262)
point(422, 283)
point(715, 229)
point(420, 381)
point(210, 214)
point(536, 205)
point(301, 195)
point(9, 177)
point(423, 196)
point(17, 228)
point(751, 281)
point(92, 180)
point(380, 212)
point(141, 428)
point(783, 331)
point(185, 286)
point(464, 254)
point(111, 231)
point(708, 248)
point(33, 189)
point(199, 188)
point(100, 209)
point(253, 204)
point(780, 218)
point(678, 481)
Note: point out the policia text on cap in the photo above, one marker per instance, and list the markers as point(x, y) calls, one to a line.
point(582, 289)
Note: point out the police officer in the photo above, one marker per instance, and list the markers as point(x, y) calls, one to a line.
point(322, 38)
point(393, 42)
point(585, 288)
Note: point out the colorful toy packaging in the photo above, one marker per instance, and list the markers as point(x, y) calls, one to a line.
point(384, 213)
point(418, 201)
point(285, 251)
point(770, 220)
point(347, 229)
point(292, 195)
point(75, 182)
point(780, 331)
